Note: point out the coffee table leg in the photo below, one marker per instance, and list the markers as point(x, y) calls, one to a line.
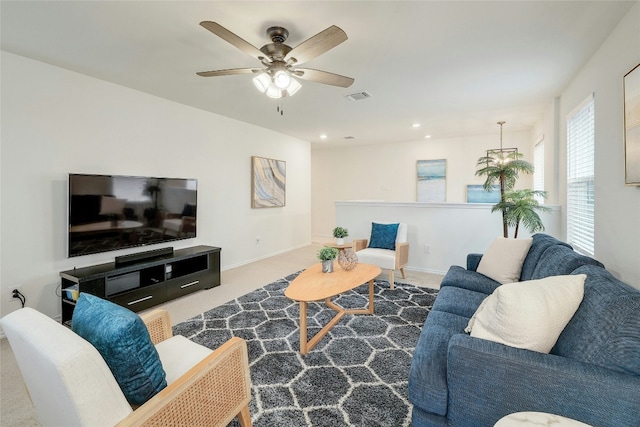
point(371, 296)
point(303, 327)
point(306, 346)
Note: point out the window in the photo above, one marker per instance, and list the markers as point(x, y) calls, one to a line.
point(580, 177)
point(538, 173)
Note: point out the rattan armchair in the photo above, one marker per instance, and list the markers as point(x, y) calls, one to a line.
point(71, 385)
point(220, 385)
point(384, 258)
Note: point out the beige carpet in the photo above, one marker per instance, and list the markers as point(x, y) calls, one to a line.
point(16, 408)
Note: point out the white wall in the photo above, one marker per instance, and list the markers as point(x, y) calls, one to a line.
point(617, 207)
point(450, 230)
point(388, 172)
point(55, 121)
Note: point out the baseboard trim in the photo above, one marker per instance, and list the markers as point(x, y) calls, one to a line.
point(263, 257)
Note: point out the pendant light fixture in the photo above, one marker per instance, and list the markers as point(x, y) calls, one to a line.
point(501, 155)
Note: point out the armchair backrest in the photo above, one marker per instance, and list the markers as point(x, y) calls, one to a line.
point(402, 236)
point(68, 381)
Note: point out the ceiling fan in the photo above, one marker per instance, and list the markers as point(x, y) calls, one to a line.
point(280, 60)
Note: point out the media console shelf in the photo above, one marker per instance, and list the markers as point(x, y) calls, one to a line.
point(144, 283)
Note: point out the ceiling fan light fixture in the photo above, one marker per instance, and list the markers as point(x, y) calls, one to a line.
point(294, 86)
point(275, 92)
point(282, 79)
point(262, 82)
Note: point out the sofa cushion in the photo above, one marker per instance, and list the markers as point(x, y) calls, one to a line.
point(460, 278)
point(460, 301)
point(383, 236)
point(539, 243)
point(605, 329)
point(122, 339)
point(529, 315)
point(504, 258)
point(559, 260)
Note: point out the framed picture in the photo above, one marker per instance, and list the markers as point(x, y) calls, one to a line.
point(632, 126)
point(477, 194)
point(432, 180)
point(268, 182)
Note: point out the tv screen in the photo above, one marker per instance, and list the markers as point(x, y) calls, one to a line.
point(111, 212)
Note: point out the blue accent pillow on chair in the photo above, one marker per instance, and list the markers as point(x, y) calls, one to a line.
point(383, 236)
point(123, 340)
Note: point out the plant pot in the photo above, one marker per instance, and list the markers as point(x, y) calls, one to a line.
point(339, 240)
point(327, 266)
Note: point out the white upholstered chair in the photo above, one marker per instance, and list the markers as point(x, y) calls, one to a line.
point(70, 384)
point(386, 258)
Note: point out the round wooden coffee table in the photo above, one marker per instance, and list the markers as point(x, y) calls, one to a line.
point(314, 285)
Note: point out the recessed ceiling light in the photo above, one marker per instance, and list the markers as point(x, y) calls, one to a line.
point(323, 136)
point(416, 125)
point(427, 136)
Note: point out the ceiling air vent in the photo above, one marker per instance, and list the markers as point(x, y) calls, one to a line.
point(358, 96)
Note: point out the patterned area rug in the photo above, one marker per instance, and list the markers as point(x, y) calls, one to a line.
point(357, 375)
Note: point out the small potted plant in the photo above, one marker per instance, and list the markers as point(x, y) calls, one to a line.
point(327, 255)
point(340, 233)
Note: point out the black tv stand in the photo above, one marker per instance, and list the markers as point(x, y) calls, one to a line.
point(140, 281)
point(125, 260)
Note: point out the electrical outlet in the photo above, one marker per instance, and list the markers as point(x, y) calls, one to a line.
point(427, 249)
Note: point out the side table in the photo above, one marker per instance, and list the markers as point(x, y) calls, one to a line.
point(523, 419)
point(339, 247)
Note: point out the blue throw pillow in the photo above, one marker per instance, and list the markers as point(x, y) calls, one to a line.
point(383, 236)
point(123, 340)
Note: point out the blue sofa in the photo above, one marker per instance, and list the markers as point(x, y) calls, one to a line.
point(592, 374)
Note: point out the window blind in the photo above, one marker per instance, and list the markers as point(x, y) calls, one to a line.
point(538, 173)
point(580, 177)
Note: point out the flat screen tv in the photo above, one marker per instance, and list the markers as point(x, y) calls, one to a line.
point(112, 212)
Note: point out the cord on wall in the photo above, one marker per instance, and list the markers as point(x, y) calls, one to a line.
point(17, 294)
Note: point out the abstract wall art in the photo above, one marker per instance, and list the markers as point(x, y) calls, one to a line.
point(432, 180)
point(268, 182)
point(477, 194)
point(632, 126)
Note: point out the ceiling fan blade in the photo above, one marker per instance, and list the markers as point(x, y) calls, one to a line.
point(323, 77)
point(229, 72)
point(317, 45)
point(235, 40)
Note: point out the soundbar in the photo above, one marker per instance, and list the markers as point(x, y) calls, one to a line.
point(124, 260)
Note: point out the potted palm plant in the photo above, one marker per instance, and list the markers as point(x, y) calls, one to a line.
point(503, 168)
point(327, 255)
point(519, 207)
point(340, 233)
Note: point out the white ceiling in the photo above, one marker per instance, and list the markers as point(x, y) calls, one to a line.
point(456, 67)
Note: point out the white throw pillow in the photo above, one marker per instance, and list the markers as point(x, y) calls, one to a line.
point(529, 314)
point(503, 260)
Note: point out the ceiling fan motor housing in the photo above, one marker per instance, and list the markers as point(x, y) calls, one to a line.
point(277, 34)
